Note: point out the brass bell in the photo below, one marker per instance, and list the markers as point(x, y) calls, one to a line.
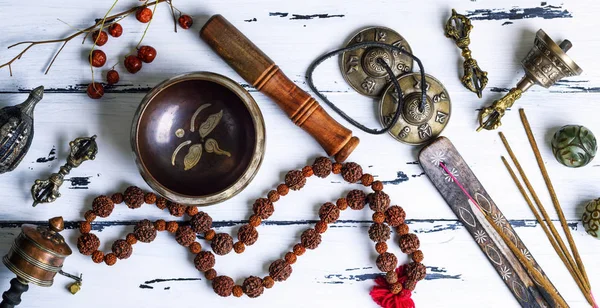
point(36, 256)
point(545, 64)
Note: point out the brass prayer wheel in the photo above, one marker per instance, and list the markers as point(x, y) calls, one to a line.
point(36, 256)
point(545, 64)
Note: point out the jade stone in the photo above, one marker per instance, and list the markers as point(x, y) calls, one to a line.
point(574, 146)
point(591, 218)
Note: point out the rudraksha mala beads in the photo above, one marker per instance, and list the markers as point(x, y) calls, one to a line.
point(385, 217)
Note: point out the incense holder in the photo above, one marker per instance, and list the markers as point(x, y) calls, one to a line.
point(574, 146)
point(591, 218)
point(198, 138)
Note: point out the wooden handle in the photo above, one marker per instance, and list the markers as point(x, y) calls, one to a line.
point(262, 73)
point(12, 297)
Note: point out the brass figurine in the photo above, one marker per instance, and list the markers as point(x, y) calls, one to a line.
point(36, 256)
point(16, 130)
point(458, 27)
point(544, 65)
point(82, 149)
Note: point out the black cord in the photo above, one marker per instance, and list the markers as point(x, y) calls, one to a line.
point(400, 102)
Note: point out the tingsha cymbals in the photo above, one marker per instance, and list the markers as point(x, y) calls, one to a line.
point(416, 126)
point(360, 67)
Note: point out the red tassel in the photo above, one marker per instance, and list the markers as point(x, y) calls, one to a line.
point(383, 297)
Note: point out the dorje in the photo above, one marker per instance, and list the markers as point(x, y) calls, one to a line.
point(82, 149)
point(36, 256)
point(545, 64)
point(364, 71)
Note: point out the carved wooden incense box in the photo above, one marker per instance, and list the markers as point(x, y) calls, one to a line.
point(198, 138)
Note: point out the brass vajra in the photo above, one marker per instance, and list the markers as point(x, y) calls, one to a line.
point(82, 149)
point(458, 28)
point(211, 145)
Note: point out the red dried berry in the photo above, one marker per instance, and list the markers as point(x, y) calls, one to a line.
point(112, 77)
point(100, 37)
point(147, 54)
point(95, 90)
point(115, 30)
point(186, 21)
point(98, 58)
point(133, 64)
point(143, 15)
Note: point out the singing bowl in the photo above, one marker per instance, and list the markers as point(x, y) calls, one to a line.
point(198, 138)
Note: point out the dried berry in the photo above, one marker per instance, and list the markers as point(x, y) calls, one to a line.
point(248, 235)
point(133, 64)
point(402, 229)
point(204, 261)
point(418, 256)
point(268, 282)
point(282, 189)
point(263, 208)
point(145, 231)
point(295, 180)
point(98, 256)
point(321, 226)
point(115, 30)
point(409, 243)
point(133, 197)
point(396, 288)
point(273, 196)
point(254, 221)
point(195, 247)
point(356, 199)
point(222, 244)
point(336, 168)
point(103, 206)
point(110, 259)
point(131, 239)
point(100, 37)
point(381, 247)
point(150, 198)
point(280, 270)
point(416, 271)
point(117, 198)
point(176, 209)
point(307, 171)
point(160, 225)
point(377, 186)
point(85, 227)
point(253, 286)
point(310, 239)
point(191, 210)
point(95, 90)
point(352, 172)
point(161, 203)
point(386, 262)
point(98, 58)
point(395, 216)
point(410, 285)
point(143, 15)
point(112, 77)
point(210, 274)
point(322, 167)
point(391, 277)
point(209, 235)
point(146, 54)
point(223, 285)
point(299, 249)
point(201, 222)
point(89, 216)
point(238, 291)
point(378, 217)
point(185, 236)
point(378, 201)
point(342, 204)
point(87, 243)
point(239, 247)
point(290, 258)
point(367, 179)
point(379, 232)
point(329, 213)
point(185, 21)
point(122, 249)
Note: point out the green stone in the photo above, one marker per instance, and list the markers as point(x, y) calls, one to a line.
point(574, 146)
point(591, 218)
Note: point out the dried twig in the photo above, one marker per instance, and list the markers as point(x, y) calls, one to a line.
point(112, 19)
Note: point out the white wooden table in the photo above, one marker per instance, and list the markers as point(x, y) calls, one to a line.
point(340, 272)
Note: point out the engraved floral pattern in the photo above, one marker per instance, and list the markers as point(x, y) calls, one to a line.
point(505, 272)
point(449, 178)
point(480, 236)
point(437, 158)
point(498, 219)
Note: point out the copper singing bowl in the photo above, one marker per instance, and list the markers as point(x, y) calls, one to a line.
point(198, 138)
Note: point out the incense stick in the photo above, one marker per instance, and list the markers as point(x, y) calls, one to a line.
point(561, 215)
point(562, 254)
point(537, 276)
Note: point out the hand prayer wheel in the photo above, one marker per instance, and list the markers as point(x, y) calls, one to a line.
point(36, 256)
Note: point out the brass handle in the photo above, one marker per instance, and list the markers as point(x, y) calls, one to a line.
point(489, 118)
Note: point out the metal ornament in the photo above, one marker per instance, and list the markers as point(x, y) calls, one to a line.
point(415, 126)
point(16, 130)
point(36, 256)
point(360, 67)
point(82, 149)
point(545, 64)
point(458, 27)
